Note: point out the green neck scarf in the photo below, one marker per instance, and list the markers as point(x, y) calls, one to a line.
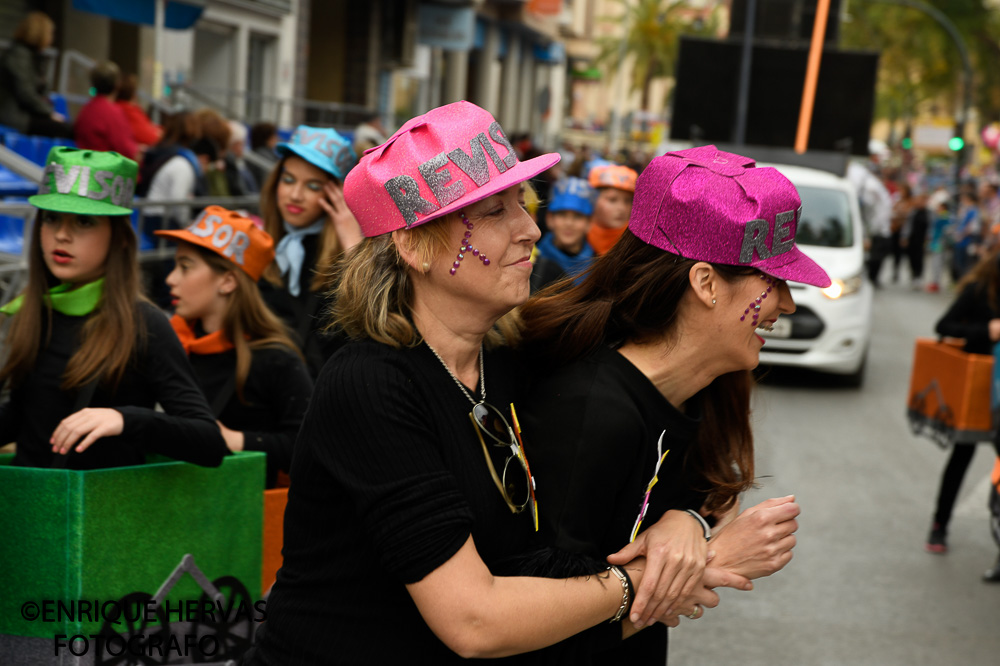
point(75, 303)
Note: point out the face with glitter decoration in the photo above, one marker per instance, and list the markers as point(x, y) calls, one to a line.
point(750, 303)
point(494, 240)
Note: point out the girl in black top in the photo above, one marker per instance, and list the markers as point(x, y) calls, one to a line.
point(87, 357)
point(303, 207)
point(974, 317)
point(248, 367)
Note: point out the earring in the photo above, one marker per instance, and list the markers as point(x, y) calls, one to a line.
point(467, 246)
point(426, 266)
point(713, 301)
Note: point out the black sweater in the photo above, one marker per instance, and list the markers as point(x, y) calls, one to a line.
point(968, 318)
point(307, 313)
point(389, 482)
point(158, 374)
point(276, 392)
point(591, 430)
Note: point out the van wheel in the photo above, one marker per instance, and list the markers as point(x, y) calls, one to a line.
point(857, 378)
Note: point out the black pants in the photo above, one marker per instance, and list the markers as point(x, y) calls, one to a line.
point(896, 247)
point(915, 246)
point(881, 246)
point(951, 480)
point(42, 126)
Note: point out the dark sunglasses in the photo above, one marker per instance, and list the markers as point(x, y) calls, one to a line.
point(516, 484)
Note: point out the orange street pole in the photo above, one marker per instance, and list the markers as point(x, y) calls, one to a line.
point(812, 75)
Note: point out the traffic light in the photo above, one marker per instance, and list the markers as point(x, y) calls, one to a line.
point(906, 143)
point(956, 143)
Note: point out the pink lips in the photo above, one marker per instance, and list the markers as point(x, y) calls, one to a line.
point(294, 210)
point(62, 257)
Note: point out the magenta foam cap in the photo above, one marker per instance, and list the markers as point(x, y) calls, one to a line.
point(708, 205)
point(433, 165)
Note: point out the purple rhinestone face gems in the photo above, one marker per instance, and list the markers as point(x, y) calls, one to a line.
point(755, 305)
point(467, 247)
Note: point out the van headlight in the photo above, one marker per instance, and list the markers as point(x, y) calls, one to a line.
point(844, 287)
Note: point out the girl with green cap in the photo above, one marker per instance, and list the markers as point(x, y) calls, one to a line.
point(88, 357)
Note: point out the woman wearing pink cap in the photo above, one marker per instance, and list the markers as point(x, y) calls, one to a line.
point(413, 496)
point(645, 370)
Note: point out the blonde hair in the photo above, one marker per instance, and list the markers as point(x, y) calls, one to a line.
point(374, 292)
point(34, 30)
point(329, 243)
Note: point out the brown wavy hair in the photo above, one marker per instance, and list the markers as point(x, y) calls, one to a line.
point(986, 276)
point(329, 243)
point(374, 293)
point(34, 29)
point(248, 322)
point(633, 294)
point(111, 335)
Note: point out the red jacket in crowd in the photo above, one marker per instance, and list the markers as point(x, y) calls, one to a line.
point(102, 125)
point(144, 131)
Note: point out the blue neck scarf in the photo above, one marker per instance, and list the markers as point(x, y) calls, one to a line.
point(290, 253)
point(572, 264)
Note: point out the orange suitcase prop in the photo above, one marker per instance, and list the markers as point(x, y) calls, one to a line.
point(949, 398)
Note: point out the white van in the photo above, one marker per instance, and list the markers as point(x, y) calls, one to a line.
point(830, 329)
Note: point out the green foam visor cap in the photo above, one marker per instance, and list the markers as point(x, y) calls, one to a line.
point(86, 182)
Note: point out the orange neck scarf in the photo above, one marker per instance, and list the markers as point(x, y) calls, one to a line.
point(602, 238)
point(213, 343)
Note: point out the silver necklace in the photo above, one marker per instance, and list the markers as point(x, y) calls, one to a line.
point(482, 375)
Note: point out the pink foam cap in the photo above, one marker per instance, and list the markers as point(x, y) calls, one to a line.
point(708, 205)
point(435, 164)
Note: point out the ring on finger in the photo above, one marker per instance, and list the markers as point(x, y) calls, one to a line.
point(696, 613)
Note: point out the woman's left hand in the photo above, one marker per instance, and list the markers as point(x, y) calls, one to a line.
point(344, 223)
point(91, 423)
point(676, 553)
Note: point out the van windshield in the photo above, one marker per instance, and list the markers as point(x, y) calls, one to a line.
point(826, 218)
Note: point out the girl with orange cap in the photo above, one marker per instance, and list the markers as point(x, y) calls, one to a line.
point(251, 372)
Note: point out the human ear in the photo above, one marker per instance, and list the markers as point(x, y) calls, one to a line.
point(704, 281)
point(228, 284)
point(404, 246)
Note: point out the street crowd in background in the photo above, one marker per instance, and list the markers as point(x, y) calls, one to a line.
point(250, 297)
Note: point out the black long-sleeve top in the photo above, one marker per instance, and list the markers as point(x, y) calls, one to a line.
point(158, 374)
point(591, 430)
point(389, 481)
point(968, 318)
point(276, 395)
point(306, 314)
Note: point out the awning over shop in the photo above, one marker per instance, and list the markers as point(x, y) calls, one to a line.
point(178, 15)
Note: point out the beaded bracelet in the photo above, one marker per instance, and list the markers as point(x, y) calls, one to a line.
point(627, 589)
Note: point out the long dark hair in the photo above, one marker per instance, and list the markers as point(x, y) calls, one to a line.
point(633, 294)
point(112, 332)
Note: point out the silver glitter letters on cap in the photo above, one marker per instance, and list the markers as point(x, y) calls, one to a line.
point(754, 236)
point(204, 226)
point(240, 242)
point(496, 133)
point(437, 179)
point(101, 178)
point(84, 181)
point(406, 194)
point(783, 239)
point(222, 235)
point(65, 178)
point(492, 152)
point(474, 164)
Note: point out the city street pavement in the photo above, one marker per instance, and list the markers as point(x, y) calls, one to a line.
point(860, 589)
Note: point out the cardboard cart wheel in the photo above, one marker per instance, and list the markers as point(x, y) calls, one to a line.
point(233, 627)
point(124, 643)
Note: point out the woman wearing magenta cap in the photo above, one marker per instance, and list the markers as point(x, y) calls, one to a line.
point(302, 203)
point(644, 368)
point(250, 371)
point(412, 494)
point(88, 358)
